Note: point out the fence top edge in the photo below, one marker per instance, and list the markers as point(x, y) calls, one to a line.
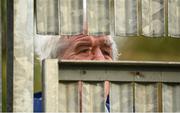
point(120, 63)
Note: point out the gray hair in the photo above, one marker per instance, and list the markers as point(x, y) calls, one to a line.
point(47, 46)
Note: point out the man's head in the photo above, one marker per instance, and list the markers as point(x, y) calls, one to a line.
point(78, 47)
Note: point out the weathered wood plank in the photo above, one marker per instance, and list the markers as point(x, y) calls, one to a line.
point(23, 56)
point(126, 17)
point(146, 97)
point(47, 19)
point(174, 18)
point(94, 74)
point(115, 71)
point(121, 97)
point(147, 76)
point(171, 94)
point(171, 77)
point(153, 18)
point(69, 100)
point(71, 16)
point(93, 97)
point(98, 16)
point(50, 85)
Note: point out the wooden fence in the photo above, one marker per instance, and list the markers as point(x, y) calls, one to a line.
point(134, 86)
point(21, 28)
point(152, 18)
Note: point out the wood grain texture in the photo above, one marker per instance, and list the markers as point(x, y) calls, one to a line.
point(153, 18)
point(174, 18)
point(71, 17)
point(23, 56)
point(93, 99)
point(171, 77)
point(69, 97)
point(126, 17)
point(121, 97)
point(98, 17)
point(50, 85)
point(47, 18)
point(146, 97)
point(171, 94)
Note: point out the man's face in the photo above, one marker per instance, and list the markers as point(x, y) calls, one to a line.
point(83, 47)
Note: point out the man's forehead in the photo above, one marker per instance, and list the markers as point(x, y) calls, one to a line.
point(104, 39)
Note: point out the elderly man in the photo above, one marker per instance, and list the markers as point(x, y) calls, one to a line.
point(78, 47)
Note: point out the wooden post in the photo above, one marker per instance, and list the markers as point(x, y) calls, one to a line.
point(50, 85)
point(23, 58)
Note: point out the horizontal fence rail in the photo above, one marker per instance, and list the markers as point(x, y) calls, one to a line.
point(134, 86)
point(152, 18)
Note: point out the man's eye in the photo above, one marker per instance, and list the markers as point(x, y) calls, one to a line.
point(84, 50)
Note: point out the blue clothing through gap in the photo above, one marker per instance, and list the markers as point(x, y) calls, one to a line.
point(38, 102)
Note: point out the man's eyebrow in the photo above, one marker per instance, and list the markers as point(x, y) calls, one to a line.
point(83, 40)
point(83, 43)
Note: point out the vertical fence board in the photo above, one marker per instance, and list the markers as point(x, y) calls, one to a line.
point(23, 56)
point(47, 21)
point(126, 17)
point(171, 94)
point(146, 97)
point(71, 16)
point(174, 18)
point(93, 99)
point(121, 97)
point(153, 17)
point(68, 97)
point(98, 17)
point(50, 88)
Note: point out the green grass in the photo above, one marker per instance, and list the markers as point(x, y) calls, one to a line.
point(154, 49)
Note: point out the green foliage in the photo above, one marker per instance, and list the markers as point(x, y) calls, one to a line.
point(154, 49)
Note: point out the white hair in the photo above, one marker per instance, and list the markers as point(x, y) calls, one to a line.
point(47, 46)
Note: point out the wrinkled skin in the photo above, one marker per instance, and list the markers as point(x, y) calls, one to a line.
point(84, 47)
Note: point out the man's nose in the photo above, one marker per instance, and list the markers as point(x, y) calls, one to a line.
point(97, 54)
